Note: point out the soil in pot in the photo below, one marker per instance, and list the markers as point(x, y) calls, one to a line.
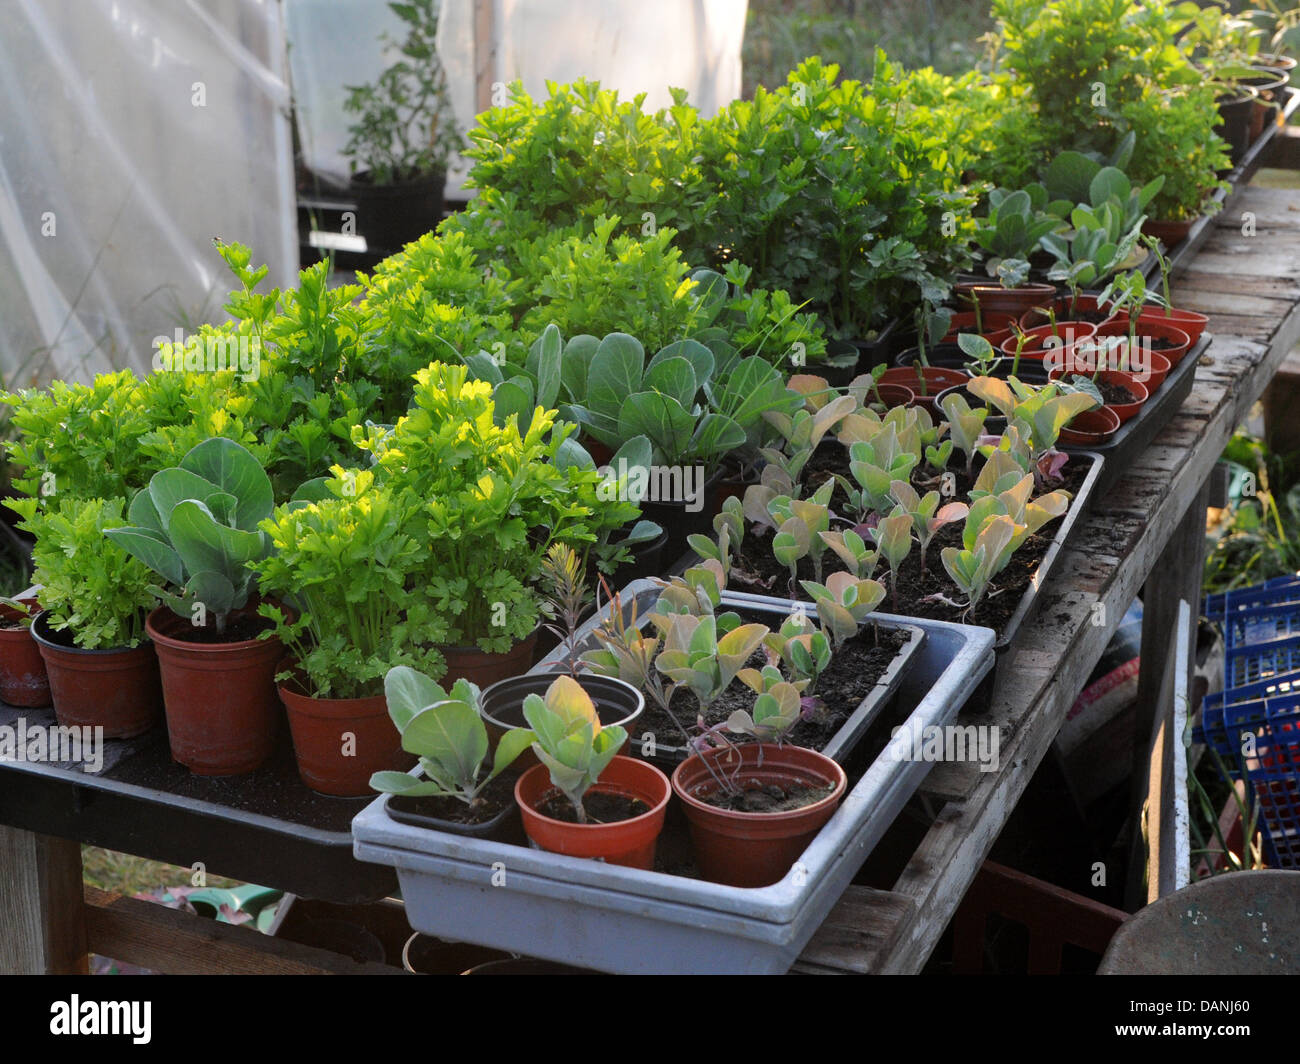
point(1067, 308)
point(23, 679)
point(601, 808)
point(751, 848)
point(756, 797)
point(219, 693)
point(494, 815)
point(755, 570)
point(117, 689)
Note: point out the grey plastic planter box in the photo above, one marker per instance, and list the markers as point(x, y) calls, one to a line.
point(626, 920)
point(642, 594)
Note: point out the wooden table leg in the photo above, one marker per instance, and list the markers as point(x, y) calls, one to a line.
point(43, 928)
point(1176, 576)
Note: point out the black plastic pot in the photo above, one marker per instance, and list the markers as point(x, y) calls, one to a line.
point(504, 827)
point(892, 337)
point(503, 703)
point(678, 522)
point(647, 560)
point(391, 216)
point(343, 936)
point(428, 955)
point(1234, 124)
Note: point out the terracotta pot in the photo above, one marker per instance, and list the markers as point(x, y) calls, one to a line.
point(964, 322)
point(1125, 411)
point(1044, 339)
point(117, 690)
point(936, 379)
point(626, 842)
point(1148, 328)
point(23, 680)
point(755, 849)
point(340, 742)
point(617, 703)
point(1067, 308)
point(891, 395)
point(1189, 321)
point(993, 298)
point(1091, 427)
point(1171, 234)
point(483, 668)
point(222, 709)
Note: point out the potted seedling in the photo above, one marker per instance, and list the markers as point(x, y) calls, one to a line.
point(101, 665)
point(754, 807)
point(445, 731)
point(344, 555)
point(404, 135)
point(1189, 321)
point(1014, 294)
point(584, 800)
point(1140, 338)
point(196, 526)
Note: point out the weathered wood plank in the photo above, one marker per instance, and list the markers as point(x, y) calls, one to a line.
point(40, 899)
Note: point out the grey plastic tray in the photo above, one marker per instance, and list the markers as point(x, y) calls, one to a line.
point(640, 596)
point(626, 920)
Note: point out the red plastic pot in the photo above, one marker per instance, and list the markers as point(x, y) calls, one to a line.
point(937, 378)
point(994, 299)
point(1189, 321)
point(1044, 339)
point(964, 322)
point(755, 849)
point(116, 689)
point(1155, 329)
point(23, 680)
point(626, 842)
point(1066, 308)
point(1125, 411)
point(1091, 427)
point(220, 700)
point(483, 668)
point(340, 742)
point(891, 395)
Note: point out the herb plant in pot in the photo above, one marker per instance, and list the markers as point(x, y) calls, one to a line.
point(23, 679)
point(584, 800)
point(196, 526)
point(459, 792)
point(488, 499)
point(403, 137)
point(102, 668)
point(344, 556)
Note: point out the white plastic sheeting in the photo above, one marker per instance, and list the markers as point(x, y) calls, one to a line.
point(633, 46)
point(132, 132)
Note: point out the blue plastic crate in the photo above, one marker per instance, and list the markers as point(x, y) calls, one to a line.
point(1278, 591)
point(1269, 661)
point(1272, 772)
point(1262, 624)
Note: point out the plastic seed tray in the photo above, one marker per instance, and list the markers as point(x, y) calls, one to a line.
point(627, 920)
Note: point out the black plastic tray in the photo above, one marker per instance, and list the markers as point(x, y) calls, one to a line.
point(1240, 175)
point(1136, 434)
point(264, 827)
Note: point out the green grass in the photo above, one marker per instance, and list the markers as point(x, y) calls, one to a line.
point(917, 33)
point(120, 873)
